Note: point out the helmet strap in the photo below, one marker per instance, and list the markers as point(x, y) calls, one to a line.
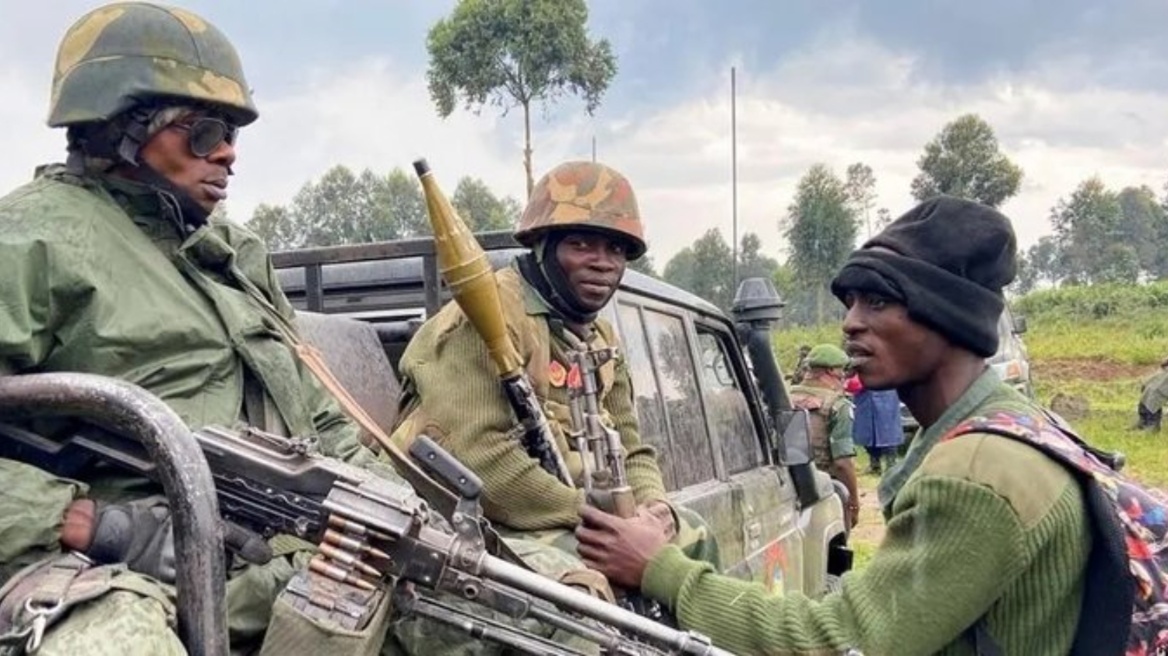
point(541, 268)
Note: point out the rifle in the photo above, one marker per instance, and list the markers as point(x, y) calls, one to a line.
point(471, 280)
point(369, 531)
point(606, 483)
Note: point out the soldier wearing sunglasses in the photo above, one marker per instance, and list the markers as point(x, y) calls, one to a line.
point(113, 264)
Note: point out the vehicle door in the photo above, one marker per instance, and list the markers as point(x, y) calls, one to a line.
point(692, 408)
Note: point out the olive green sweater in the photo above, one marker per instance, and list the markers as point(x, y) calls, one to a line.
point(451, 391)
point(977, 527)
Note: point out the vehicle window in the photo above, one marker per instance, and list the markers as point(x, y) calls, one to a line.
point(727, 406)
point(647, 399)
point(677, 380)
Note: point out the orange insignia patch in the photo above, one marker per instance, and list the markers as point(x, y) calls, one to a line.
point(575, 381)
point(556, 374)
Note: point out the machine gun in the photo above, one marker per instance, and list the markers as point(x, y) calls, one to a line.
point(371, 532)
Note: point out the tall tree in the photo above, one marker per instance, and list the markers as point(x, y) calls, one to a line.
point(713, 269)
point(342, 208)
point(820, 227)
point(1142, 224)
point(644, 264)
point(512, 53)
point(964, 160)
point(404, 204)
point(1087, 229)
point(751, 260)
point(275, 226)
point(481, 209)
point(1042, 264)
point(861, 186)
point(681, 269)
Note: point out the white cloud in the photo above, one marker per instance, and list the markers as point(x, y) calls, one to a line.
point(837, 102)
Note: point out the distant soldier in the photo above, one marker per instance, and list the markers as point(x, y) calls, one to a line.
point(1153, 394)
point(822, 393)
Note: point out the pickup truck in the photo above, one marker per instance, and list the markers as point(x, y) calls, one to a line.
point(703, 394)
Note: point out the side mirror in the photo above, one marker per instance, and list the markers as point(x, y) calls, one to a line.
point(795, 444)
point(795, 453)
point(1019, 324)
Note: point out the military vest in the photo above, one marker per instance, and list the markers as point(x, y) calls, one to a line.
point(818, 402)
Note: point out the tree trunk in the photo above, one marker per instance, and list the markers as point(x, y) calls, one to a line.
point(819, 305)
point(527, 147)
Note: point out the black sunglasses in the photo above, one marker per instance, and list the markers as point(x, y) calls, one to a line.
point(206, 134)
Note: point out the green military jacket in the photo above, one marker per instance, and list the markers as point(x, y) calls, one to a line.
point(980, 529)
point(98, 278)
point(451, 391)
point(832, 419)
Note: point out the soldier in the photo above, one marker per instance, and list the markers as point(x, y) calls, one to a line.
point(582, 226)
point(987, 538)
point(831, 413)
point(1153, 393)
point(113, 264)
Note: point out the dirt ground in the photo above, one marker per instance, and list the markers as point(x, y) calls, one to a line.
point(870, 530)
point(1100, 370)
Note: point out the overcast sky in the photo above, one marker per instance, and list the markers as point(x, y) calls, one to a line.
point(1073, 88)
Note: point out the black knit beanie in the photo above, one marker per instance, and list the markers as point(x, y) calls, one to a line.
point(947, 260)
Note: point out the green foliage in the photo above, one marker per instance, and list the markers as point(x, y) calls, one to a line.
point(1091, 244)
point(343, 208)
point(644, 264)
point(1125, 324)
point(404, 202)
point(751, 261)
point(786, 342)
point(820, 227)
point(964, 161)
point(481, 209)
point(705, 268)
point(510, 53)
point(274, 226)
point(860, 185)
point(1100, 236)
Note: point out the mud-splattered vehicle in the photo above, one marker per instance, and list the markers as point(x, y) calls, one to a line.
point(708, 395)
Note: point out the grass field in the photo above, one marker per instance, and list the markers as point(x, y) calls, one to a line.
point(1097, 344)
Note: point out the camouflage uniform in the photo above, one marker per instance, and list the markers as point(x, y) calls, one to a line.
point(101, 276)
point(450, 388)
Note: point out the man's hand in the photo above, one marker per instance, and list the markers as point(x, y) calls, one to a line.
point(853, 513)
point(619, 548)
point(139, 534)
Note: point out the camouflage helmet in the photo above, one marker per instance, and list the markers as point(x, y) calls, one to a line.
point(123, 54)
point(827, 356)
point(583, 195)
